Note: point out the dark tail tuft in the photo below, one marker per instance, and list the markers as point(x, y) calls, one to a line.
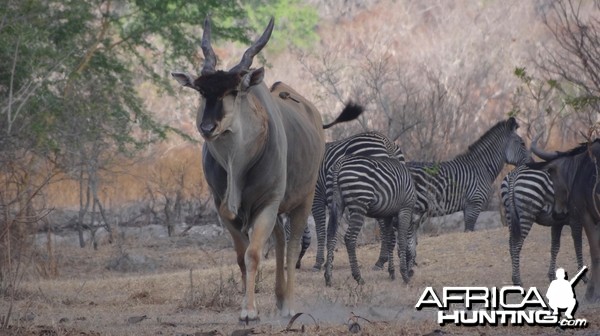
point(350, 112)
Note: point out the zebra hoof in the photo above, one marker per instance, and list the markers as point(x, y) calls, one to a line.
point(360, 281)
point(392, 275)
point(378, 267)
point(316, 268)
point(327, 280)
point(411, 273)
point(298, 264)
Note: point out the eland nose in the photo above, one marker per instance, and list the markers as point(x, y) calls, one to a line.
point(207, 128)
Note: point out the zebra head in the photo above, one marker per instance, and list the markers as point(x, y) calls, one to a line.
point(515, 152)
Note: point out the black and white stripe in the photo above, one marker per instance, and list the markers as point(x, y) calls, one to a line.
point(369, 143)
point(528, 196)
point(376, 187)
point(465, 182)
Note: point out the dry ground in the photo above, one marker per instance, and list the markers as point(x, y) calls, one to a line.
point(194, 290)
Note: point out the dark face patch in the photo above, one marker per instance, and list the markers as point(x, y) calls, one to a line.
point(218, 84)
point(213, 87)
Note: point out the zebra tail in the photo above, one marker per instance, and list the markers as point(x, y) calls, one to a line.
point(336, 204)
point(515, 221)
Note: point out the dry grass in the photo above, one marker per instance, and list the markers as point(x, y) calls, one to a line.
point(88, 299)
point(127, 181)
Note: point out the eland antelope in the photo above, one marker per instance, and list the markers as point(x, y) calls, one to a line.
point(261, 156)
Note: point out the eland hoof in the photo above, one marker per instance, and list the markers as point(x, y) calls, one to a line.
point(286, 312)
point(249, 316)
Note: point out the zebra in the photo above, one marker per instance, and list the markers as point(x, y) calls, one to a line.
point(528, 196)
point(377, 187)
point(465, 182)
point(371, 143)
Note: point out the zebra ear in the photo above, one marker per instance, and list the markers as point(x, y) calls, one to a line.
point(512, 123)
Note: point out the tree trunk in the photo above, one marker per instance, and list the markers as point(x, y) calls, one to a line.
point(83, 209)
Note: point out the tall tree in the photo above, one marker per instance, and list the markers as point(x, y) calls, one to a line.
point(69, 75)
point(576, 59)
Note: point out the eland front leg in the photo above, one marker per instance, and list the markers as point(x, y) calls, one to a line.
point(240, 244)
point(262, 226)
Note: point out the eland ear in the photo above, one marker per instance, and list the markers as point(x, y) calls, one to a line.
point(253, 77)
point(183, 78)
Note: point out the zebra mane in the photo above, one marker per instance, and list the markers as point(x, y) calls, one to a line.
point(502, 127)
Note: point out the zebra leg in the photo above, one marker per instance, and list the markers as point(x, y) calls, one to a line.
point(515, 245)
point(576, 234)
point(331, 242)
point(387, 239)
point(412, 246)
point(355, 223)
point(404, 223)
point(386, 225)
point(471, 213)
point(556, 231)
point(319, 215)
point(413, 241)
point(305, 244)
